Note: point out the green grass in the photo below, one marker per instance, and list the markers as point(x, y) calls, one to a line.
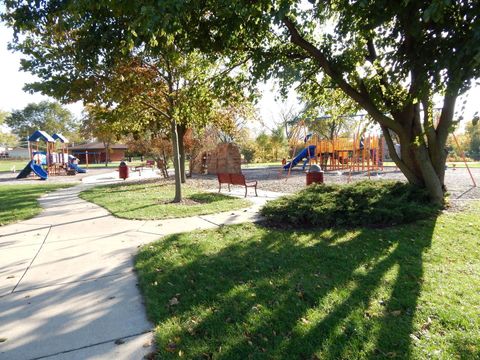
point(264, 164)
point(19, 202)
point(152, 200)
point(247, 292)
point(6, 165)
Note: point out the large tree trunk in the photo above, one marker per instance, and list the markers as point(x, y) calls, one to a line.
point(176, 162)
point(422, 156)
point(182, 129)
point(107, 152)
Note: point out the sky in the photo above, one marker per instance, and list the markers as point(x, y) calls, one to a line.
point(12, 80)
point(12, 96)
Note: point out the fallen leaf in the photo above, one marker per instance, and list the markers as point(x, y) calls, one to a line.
point(396, 312)
point(414, 337)
point(119, 342)
point(173, 301)
point(305, 321)
point(171, 347)
point(426, 325)
point(2, 339)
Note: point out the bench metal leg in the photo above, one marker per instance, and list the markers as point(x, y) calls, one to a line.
point(219, 187)
point(246, 191)
point(256, 190)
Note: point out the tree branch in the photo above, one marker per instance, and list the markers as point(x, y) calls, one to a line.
point(398, 161)
point(322, 60)
point(155, 108)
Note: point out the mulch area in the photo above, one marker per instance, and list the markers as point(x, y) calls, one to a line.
point(458, 181)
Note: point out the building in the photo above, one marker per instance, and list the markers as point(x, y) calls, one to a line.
point(19, 153)
point(95, 153)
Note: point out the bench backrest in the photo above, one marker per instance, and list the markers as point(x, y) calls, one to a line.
point(237, 179)
point(223, 178)
point(150, 162)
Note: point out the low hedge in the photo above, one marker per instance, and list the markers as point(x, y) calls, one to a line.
point(366, 203)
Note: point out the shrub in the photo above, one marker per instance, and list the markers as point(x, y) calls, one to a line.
point(366, 203)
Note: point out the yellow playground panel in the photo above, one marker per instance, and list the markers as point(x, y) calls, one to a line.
point(360, 153)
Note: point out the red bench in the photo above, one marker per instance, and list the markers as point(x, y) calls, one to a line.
point(235, 179)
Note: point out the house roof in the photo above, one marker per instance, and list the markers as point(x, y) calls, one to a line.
point(60, 137)
point(40, 135)
point(98, 146)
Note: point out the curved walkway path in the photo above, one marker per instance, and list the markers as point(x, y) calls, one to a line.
point(67, 286)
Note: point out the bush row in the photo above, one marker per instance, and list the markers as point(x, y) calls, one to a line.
point(366, 203)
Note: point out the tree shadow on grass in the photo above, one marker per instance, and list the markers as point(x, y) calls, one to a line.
point(249, 292)
point(20, 202)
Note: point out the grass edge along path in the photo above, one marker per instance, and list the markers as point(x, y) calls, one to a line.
point(244, 291)
point(20, 202)
point(152, 201)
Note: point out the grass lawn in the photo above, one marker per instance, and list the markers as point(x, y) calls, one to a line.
point(247, 292)
point(153, 201)
point(259, 165)
point(19, 202)
point(6, 165)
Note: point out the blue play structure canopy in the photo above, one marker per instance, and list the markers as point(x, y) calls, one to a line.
point(41, 135)
point(60, 137)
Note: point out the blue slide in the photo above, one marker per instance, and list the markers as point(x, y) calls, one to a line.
point(37, 170)
point(77, 168)
point(302, 155)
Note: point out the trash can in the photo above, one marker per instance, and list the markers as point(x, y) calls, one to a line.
point(315, 175)
point(123, 170)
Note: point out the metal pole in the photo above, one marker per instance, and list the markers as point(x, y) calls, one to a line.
point(465, 161)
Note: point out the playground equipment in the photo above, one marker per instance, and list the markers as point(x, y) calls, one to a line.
point(39, 157)
point(50, 160)
point(363, 152)
point(36, 169)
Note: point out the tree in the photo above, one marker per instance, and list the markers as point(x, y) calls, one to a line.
point(6, 138)
point(79, 51)
point(264, 146)
point(278, 141)
point(330, 112)
point(388, 57)
point(3, 116)
point(47, 116)
point(168, 94)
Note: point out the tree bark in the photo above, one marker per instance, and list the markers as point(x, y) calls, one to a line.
point(107, 151)
point(176, 162)
point(182, 129)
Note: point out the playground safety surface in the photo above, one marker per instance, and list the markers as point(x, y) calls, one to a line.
point(458, 181)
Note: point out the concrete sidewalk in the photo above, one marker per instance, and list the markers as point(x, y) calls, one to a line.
point(67, 289)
